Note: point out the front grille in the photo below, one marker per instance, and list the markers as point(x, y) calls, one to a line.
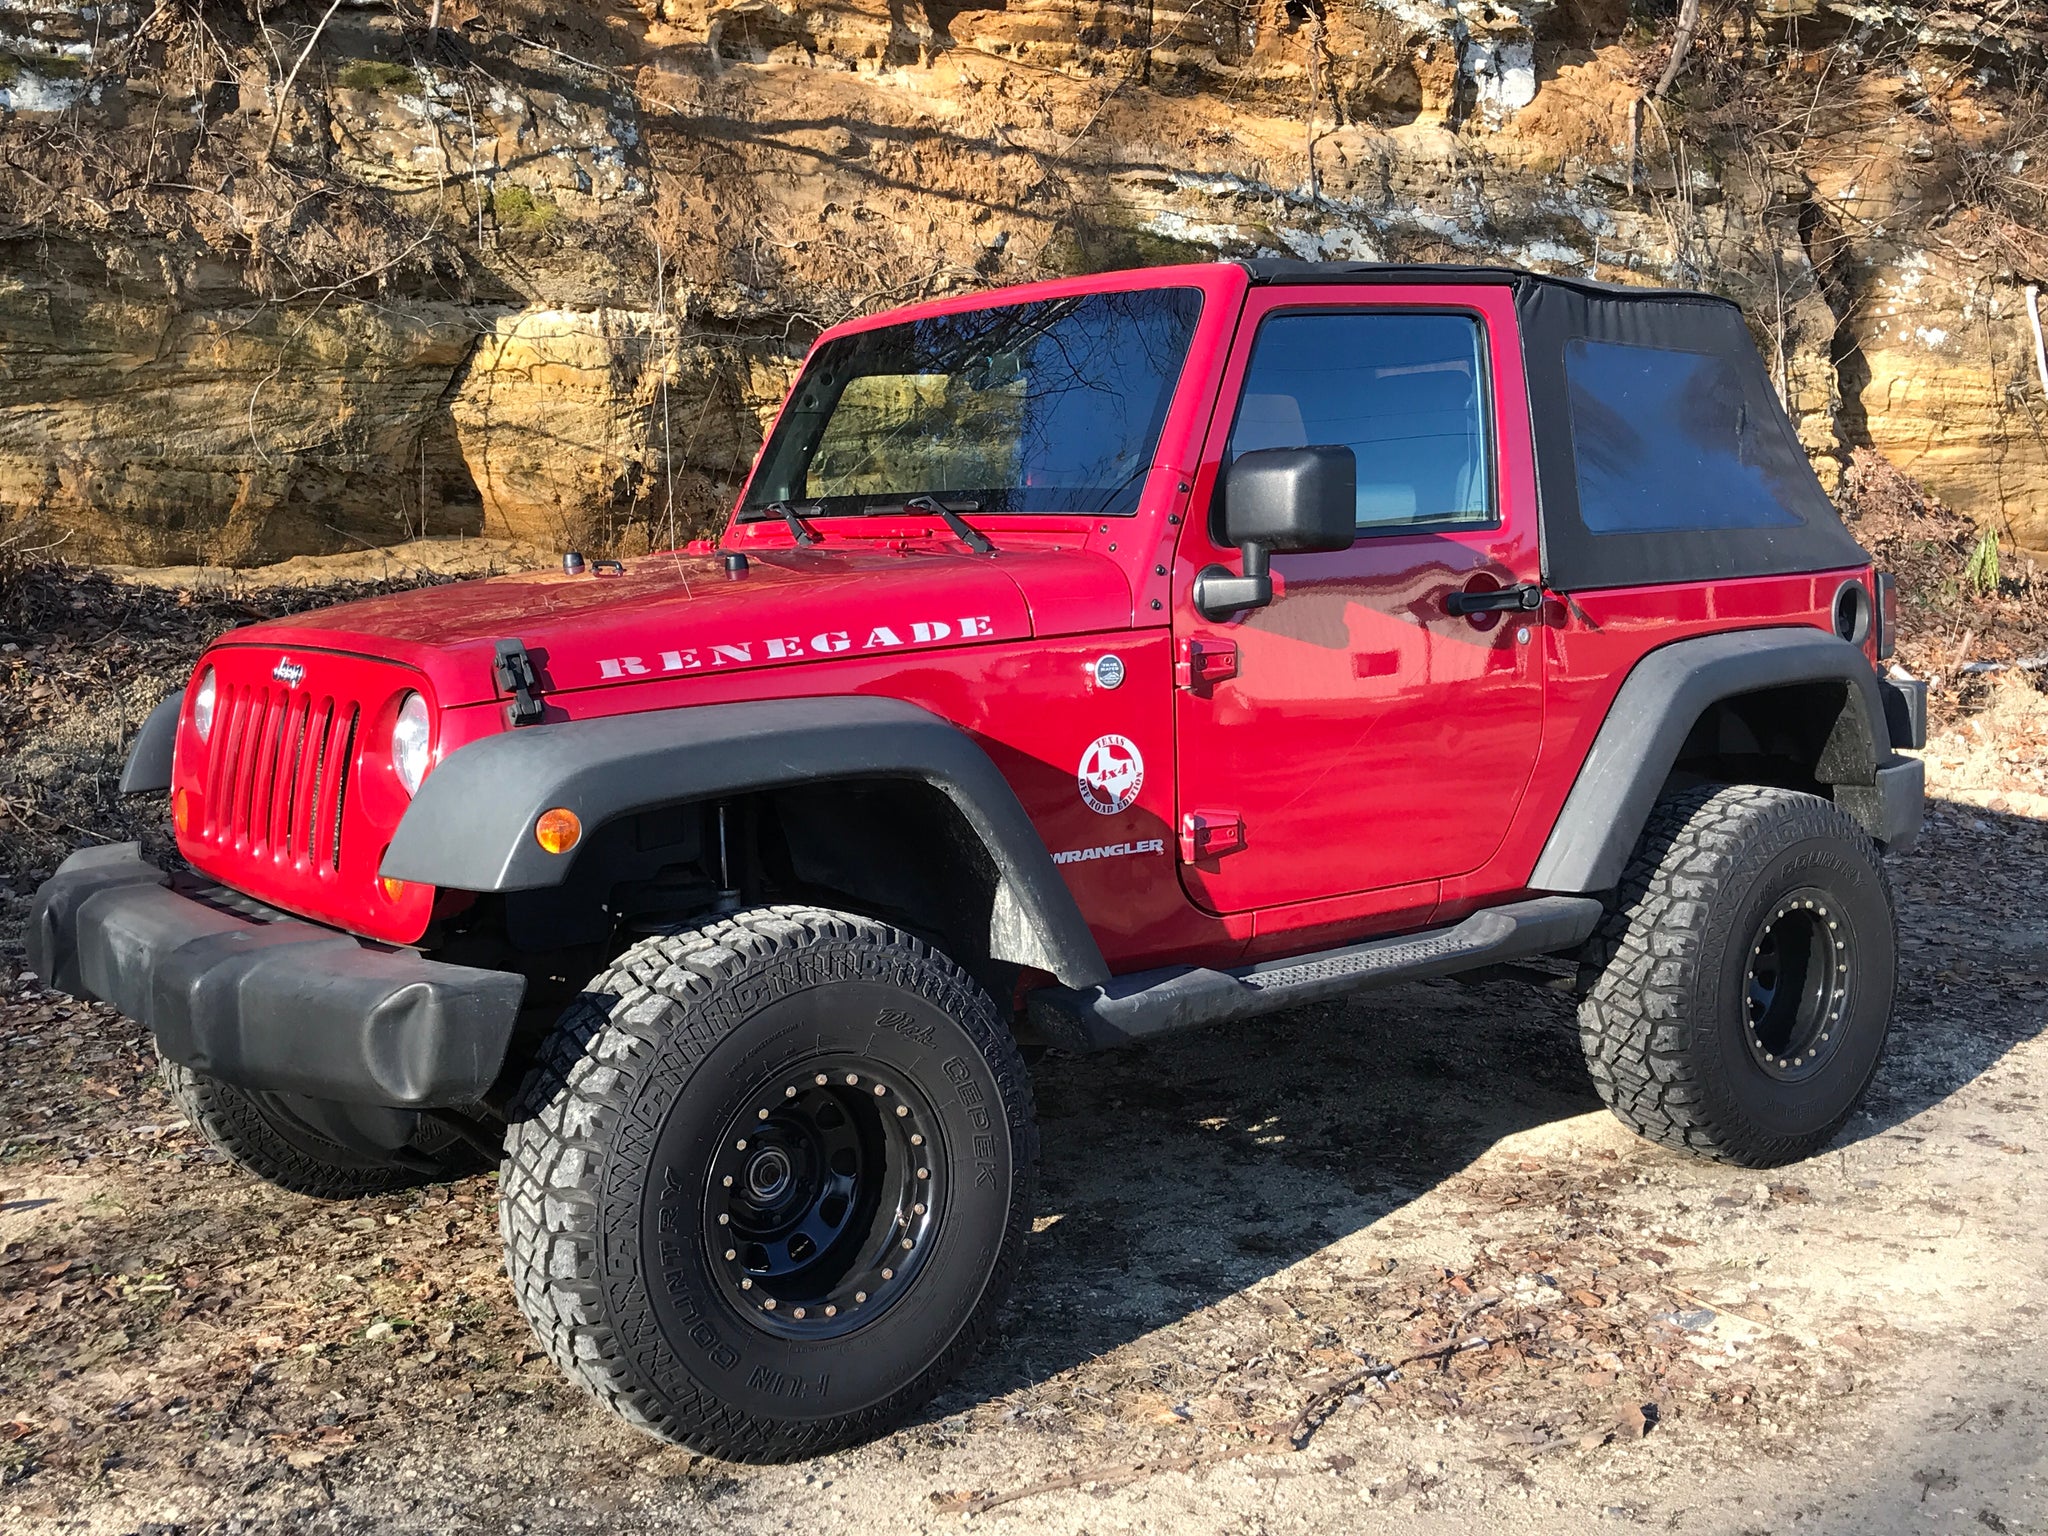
point(277, 774)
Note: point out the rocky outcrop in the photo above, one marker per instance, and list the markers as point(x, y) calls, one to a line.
point(544, 272)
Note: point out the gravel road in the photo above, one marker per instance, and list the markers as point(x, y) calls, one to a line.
point(1384, 1264)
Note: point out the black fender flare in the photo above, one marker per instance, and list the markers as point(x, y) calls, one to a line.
point(148, 768)
point(1658, 704)
point(470, 827)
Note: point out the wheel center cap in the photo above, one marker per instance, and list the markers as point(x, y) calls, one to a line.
point(768, 1174)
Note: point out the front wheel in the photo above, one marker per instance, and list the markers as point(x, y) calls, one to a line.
point(1742, 989)
point(768, 1183)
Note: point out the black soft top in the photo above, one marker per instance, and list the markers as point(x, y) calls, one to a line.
point(1673, 463)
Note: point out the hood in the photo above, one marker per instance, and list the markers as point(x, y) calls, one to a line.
point(671, 615)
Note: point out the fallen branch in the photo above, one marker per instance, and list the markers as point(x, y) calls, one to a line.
point(1740, 1317)
point(1319, 1409)
point(1295, 1437)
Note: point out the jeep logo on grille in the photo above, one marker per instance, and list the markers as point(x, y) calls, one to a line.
point(287, 671)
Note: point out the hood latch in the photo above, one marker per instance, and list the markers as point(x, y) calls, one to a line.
point(517, 677)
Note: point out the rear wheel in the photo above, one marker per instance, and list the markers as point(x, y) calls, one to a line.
point(768, 1184)
point(1741, 992)
point(277, 1138)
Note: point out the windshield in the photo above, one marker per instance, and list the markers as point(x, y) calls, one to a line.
point(1048, 407)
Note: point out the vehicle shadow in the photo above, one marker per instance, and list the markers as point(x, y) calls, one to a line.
point(1178, 1175)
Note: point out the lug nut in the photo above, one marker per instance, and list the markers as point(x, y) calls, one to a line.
point(821, 1079)
point(731, 1254)
point(746, 1285)
point(789, 1093)
point(727, 1181)
point(860, 1296)
point(902, 1109)
point(769, 1303)
point(888, 1274)
point(924, 1173)
point(723, 1218)
point(915, 1210)
point(917, 1141)
point(740, 1145)
point(798, 1313)
point(908, 1244)
point(831, 1311)
point(880, 1090)
point(852, 1078)
point(762, 1113)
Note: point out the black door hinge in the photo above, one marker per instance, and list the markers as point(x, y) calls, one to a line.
point(517, 677)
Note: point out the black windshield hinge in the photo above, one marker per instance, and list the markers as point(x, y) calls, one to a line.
point(517, 677)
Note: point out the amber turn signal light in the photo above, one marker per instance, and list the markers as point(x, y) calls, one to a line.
point(557, 830)
point(181, 811)
point(393, 888)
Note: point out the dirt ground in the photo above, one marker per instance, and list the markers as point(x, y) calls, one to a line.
point(1369, 1265)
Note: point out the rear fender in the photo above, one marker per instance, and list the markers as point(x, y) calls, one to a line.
point(1665, 696)
point(470, 827)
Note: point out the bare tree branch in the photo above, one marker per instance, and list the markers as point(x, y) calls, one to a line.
point(1681, 44)
point(284, 91)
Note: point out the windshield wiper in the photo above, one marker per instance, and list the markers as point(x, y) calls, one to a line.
point(965, 532)
point(798, 528)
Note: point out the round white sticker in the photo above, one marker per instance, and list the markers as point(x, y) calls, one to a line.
point(1112, 772)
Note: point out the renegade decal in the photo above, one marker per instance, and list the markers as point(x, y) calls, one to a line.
point(1110, 851)
point(831, 642)
point(1112, 772)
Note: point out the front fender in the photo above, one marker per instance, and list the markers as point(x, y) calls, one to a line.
point(470, 827)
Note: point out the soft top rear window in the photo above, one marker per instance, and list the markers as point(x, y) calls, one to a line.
point(1054, 406)
point(1666, 441)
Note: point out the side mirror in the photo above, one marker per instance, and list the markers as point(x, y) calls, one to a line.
point(1284, 501)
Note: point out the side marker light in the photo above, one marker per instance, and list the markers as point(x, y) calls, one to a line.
point(558, 830)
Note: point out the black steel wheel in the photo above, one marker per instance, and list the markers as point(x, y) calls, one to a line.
point(1796, 987)
point(768, 1184)
point(820, 1202)
point(1739, 995)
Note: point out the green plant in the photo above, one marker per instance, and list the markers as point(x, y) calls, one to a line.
point(1980, 572)
point(518, 211)
point(377, 76)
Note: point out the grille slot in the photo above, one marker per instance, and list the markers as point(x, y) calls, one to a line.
point(278, 775)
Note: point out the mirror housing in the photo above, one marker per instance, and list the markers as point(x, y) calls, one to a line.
point(1279, 501)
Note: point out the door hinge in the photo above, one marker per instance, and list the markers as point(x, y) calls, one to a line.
point(1203, 662)
point(517, 677)
point(1210, 835)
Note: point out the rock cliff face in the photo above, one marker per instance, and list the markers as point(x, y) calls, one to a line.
point(270, 286)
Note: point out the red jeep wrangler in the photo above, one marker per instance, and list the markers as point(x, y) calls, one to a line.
point(1082, 661)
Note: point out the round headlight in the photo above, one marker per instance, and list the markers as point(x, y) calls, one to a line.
point(202, 705)
point(409, 742)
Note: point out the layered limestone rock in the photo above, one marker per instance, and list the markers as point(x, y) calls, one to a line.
point(545, 272)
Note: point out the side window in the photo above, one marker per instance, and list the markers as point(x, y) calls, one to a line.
point(1405, 391)
point(1666, 442)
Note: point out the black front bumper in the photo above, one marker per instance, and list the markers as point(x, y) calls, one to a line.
point(281, 1005)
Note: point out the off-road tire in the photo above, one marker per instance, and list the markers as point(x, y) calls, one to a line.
point(1667, 1024)
point(255, 1137)
point(611, 1177)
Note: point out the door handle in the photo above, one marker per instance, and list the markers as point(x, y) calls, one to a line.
point(1526, 598)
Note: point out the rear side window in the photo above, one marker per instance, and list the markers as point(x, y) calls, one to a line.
point(1664, 441)
point(1404, 391)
